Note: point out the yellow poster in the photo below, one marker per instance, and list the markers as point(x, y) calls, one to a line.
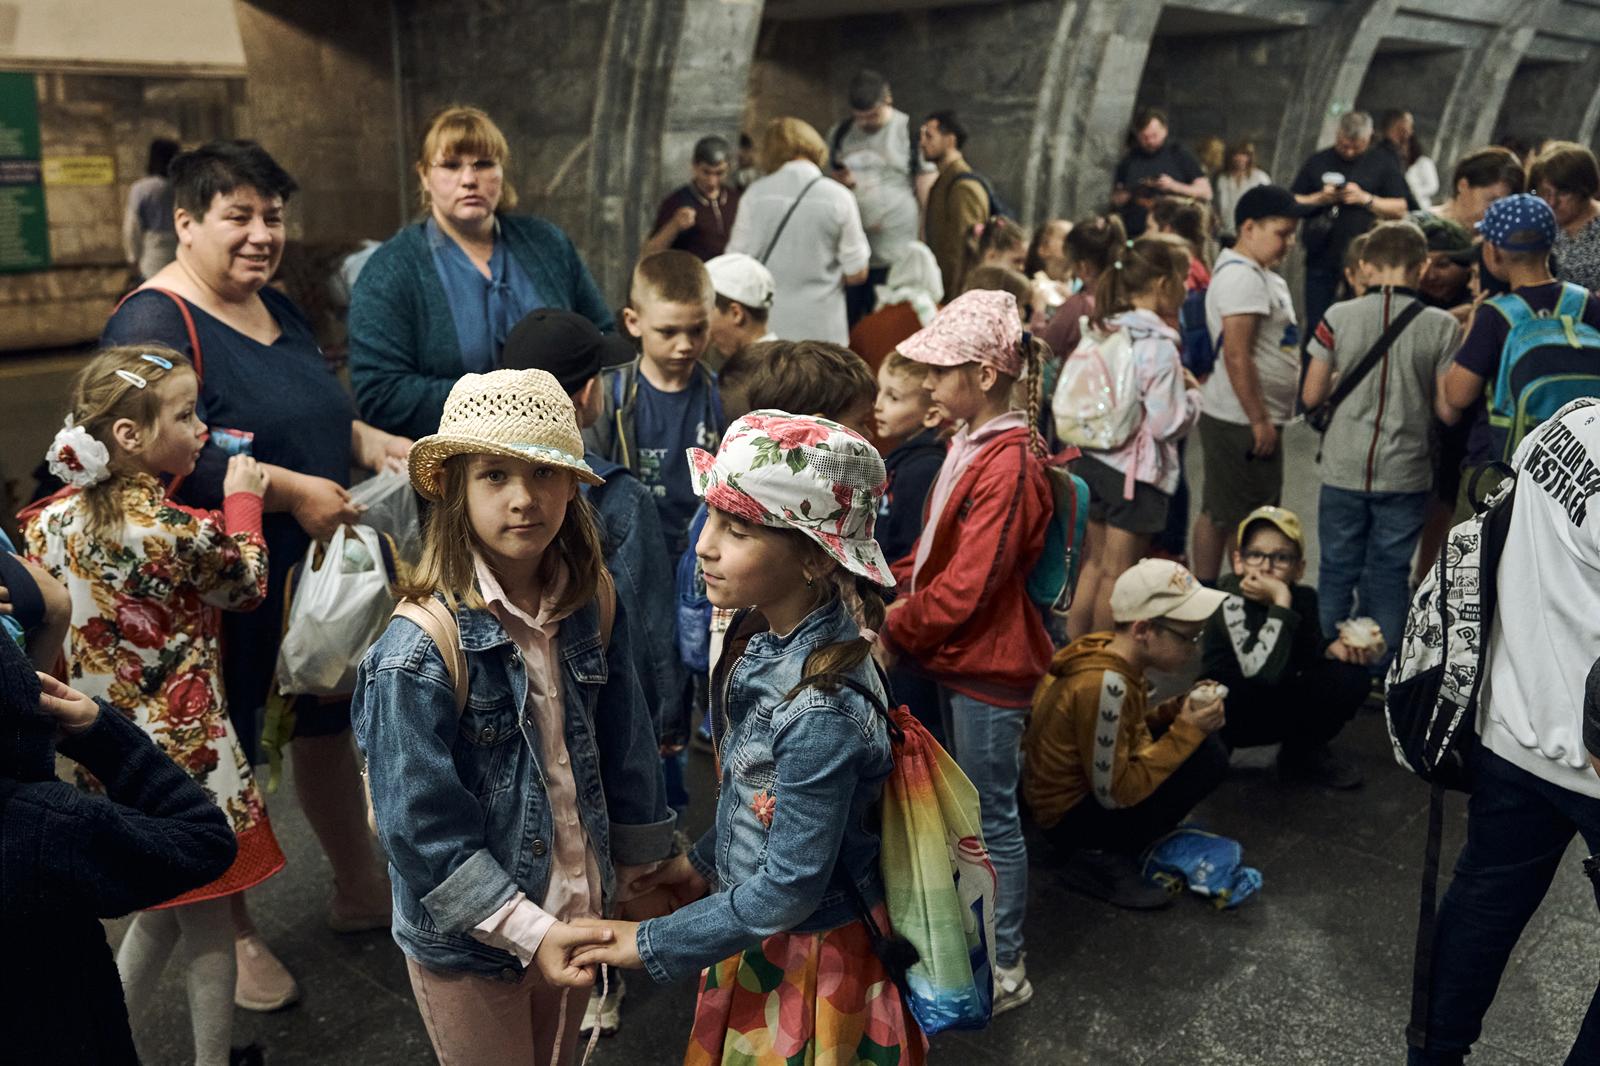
point(80, 170)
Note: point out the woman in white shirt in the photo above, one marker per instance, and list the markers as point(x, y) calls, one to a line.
point(1421, 175)
point(806, 228)
point(1241, 176)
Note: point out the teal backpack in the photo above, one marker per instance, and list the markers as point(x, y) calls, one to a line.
point(1549, 360)
point(1055, 576)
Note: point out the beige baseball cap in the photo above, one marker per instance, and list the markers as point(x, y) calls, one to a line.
point(1161, 588)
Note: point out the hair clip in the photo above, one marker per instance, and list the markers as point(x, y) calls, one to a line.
point(132, 379)
point(1130, 243)
point(1117, 265)
point(156, 360)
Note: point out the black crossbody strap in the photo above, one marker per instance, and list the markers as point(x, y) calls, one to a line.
point(1322, 414)
point(1427, 911)
point(787, 215)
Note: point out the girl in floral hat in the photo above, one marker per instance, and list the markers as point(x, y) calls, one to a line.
point(770, 898)
point(147, 577)
point(514, 807)
point(965, 618)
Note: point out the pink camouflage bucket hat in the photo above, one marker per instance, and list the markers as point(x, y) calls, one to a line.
point(804, 473)
point(979, 326)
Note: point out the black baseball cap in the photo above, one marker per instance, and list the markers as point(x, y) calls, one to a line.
point(1268, 201)
point(563, 343)
point(1450, 238)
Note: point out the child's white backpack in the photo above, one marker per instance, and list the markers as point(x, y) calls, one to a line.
point(1096, 405)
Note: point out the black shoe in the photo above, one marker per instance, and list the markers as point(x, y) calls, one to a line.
point(249, 1055)
point(1114, 879)
point(1318, 765)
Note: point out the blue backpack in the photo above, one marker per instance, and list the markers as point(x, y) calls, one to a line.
point(1549, 360)
point(1054, 579)
point(1199, 346)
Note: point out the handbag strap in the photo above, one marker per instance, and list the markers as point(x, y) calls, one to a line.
point(439, 623)
point(1349, 381)
point(787, 215)
point(188, 324)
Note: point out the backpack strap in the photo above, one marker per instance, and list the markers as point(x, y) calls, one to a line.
point(1574, 298)
point(439, 623)
point(1513, 308)
point(783, 223)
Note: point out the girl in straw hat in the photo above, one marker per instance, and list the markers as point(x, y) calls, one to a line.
point(789, 969)
point(510, 817)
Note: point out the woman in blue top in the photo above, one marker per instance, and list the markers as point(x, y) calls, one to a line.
point(266, 389)
point(440, 297)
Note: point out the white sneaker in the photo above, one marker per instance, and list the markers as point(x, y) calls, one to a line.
point(605, 1012)
point(1011, 987)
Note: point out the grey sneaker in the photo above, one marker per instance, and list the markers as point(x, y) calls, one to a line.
point(1115, 879)
point(1011, 987)
point(604, 1012)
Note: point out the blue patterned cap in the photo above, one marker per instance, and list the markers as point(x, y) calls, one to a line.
point(1513, 214)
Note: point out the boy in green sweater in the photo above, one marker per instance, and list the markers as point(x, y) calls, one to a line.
point(1287, 683)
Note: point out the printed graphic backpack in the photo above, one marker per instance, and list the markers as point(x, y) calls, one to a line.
point(1549, 359)
point(1096, 403)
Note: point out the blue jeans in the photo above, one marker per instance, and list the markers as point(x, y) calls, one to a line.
point(987, 744)
point(1518, 829)
point(1367, 539)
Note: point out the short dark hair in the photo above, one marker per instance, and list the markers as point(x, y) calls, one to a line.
point(802, 377)
point(1387, 119)
point(218, 168)
point(756, 313)
point(1395, 244)
point(711, 151)
point(867, 90)
point(949, 124)
point(1146, 115)
point(1489, 166)
point(672, 276)
point(162, 151)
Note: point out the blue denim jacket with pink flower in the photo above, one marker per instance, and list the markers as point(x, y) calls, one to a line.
point(799, 782)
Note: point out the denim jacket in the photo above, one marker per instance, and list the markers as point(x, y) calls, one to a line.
point(633, 555)
point(799, 784)
point(461, 804)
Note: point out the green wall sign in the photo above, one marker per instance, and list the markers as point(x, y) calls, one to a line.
point(24, 229)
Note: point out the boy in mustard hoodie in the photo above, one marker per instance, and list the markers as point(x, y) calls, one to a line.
point(1104, 774)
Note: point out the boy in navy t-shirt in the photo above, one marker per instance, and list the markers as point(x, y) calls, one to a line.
point(665, 401)
point(1518, 234)
point(904, 412)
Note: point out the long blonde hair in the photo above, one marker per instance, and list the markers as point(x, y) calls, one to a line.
point(101, 397)
point(448, 544)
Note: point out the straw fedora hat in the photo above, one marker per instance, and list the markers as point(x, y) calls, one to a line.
point(521, 414)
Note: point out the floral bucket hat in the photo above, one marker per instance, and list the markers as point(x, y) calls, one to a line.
point(800, 472)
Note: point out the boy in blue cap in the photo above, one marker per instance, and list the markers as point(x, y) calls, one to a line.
point(1518, 234)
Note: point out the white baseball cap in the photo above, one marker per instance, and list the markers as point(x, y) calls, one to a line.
point(742, 279)
point(1160, 588)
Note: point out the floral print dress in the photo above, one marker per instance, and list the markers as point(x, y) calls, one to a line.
point(144, 638)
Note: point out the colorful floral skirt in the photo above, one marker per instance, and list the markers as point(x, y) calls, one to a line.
point(804, 999)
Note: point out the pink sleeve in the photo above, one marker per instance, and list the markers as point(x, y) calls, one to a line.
point(1170, 407)
point(241, 513)
point(518, 926)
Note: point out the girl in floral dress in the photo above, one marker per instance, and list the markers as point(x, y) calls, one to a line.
point(147, 578)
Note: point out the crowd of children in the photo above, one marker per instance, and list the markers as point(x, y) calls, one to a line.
point(624, 546)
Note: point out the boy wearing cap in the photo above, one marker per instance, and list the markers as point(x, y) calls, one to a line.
point(744, 291)
point(1287, 684)
point(1104, 774)
point(1518, 234)
point(1377, 451)
point(1252, 392)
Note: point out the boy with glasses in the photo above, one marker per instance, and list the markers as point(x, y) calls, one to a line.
point(1286, 683)
point(1104, 774)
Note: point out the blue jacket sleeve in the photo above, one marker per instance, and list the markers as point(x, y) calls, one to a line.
point(429, 823)
point(398, 389)
point(815, 748)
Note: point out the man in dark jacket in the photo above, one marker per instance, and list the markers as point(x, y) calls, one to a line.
point(68, 859)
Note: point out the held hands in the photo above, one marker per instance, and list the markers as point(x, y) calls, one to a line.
point(557, 957)
point(1263, 588)
point(73, 711)
point(1208, 719)
point(1346, 654)
point(245, 475)
point(676, 878)
point(1265, 435)
point(610, 943)
point(322, 506)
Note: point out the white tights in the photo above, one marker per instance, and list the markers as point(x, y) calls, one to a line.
point(203, 934)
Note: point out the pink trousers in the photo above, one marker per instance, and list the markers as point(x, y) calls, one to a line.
point(476, 1020)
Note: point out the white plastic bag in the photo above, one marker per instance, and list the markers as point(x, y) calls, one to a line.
point(1097, 405)
point(391, 507)
point(338, 610)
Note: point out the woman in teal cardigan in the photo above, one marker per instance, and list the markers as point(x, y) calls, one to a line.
point(439, 298)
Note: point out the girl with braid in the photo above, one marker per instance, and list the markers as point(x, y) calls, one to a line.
point(1131, 486)
point(964, 617)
